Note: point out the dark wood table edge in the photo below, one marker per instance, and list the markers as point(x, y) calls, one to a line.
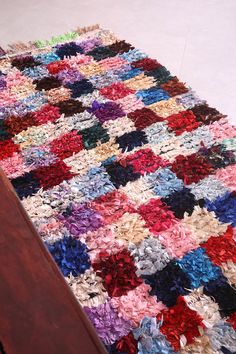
point(8, 199)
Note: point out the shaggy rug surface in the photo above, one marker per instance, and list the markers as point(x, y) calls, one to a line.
point(130, 180)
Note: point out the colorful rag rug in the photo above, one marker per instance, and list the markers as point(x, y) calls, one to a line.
point(130, 179)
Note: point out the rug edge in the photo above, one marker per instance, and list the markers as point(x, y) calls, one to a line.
point(18, 48)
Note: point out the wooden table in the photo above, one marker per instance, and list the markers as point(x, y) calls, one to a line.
point(39, 313)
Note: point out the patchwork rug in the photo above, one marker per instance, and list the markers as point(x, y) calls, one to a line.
point(130, 179)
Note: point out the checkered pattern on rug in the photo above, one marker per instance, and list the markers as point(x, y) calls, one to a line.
point(129, 178)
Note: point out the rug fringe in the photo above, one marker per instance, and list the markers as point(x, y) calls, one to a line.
point(20, 47)
point(82, 30)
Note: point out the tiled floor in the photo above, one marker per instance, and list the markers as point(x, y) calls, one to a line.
point(195, 39)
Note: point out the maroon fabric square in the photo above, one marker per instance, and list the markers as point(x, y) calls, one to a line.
point(174, 87)
point(192, 168)
point(146, 64)
point(144, 117)
point(206, 114)
point(50, 176)
point(16, 124)
point(118, 272)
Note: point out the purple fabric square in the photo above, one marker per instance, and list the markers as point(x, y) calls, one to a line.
point(80, 219)
point(109, 326)
point(106, 111)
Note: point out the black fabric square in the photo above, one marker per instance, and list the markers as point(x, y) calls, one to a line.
point(82, 87)
point(68, 50)
point(47, 83)
point(224, 350)
point(120, 47)
point(100, 53)
point(161, 74)
point(70, 107)
point(223, 294)
point(129, 141)
point(94, 134)
point(120, 175)
point(24, 61)
point(182, 201)
point(26, 185)
point(168, 283)
point(218, 156)
point(4, 134)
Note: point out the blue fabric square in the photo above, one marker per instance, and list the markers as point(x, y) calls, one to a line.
point(94, 183)
point(152, 95)
point(164, 182)
point(224, 207)
point(130, 74)
point(70, 255)
point(198, 267)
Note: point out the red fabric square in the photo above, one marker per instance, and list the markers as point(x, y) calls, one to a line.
point(178, 321)
point(15, 125)
point(192, 168)
point(146, 64)
point(144, 161)
point(232, 320)
point(50, 176)
point(182, 122)
point(118, 272)
point(221, 249)
point(7, 148)
point(157, 215)
point(57, 66)
point(112, 206)
point(116, 91)
point(67, 144)
point(174, 87)
point(47, 113)
point(127, 344)
point(144, 117)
